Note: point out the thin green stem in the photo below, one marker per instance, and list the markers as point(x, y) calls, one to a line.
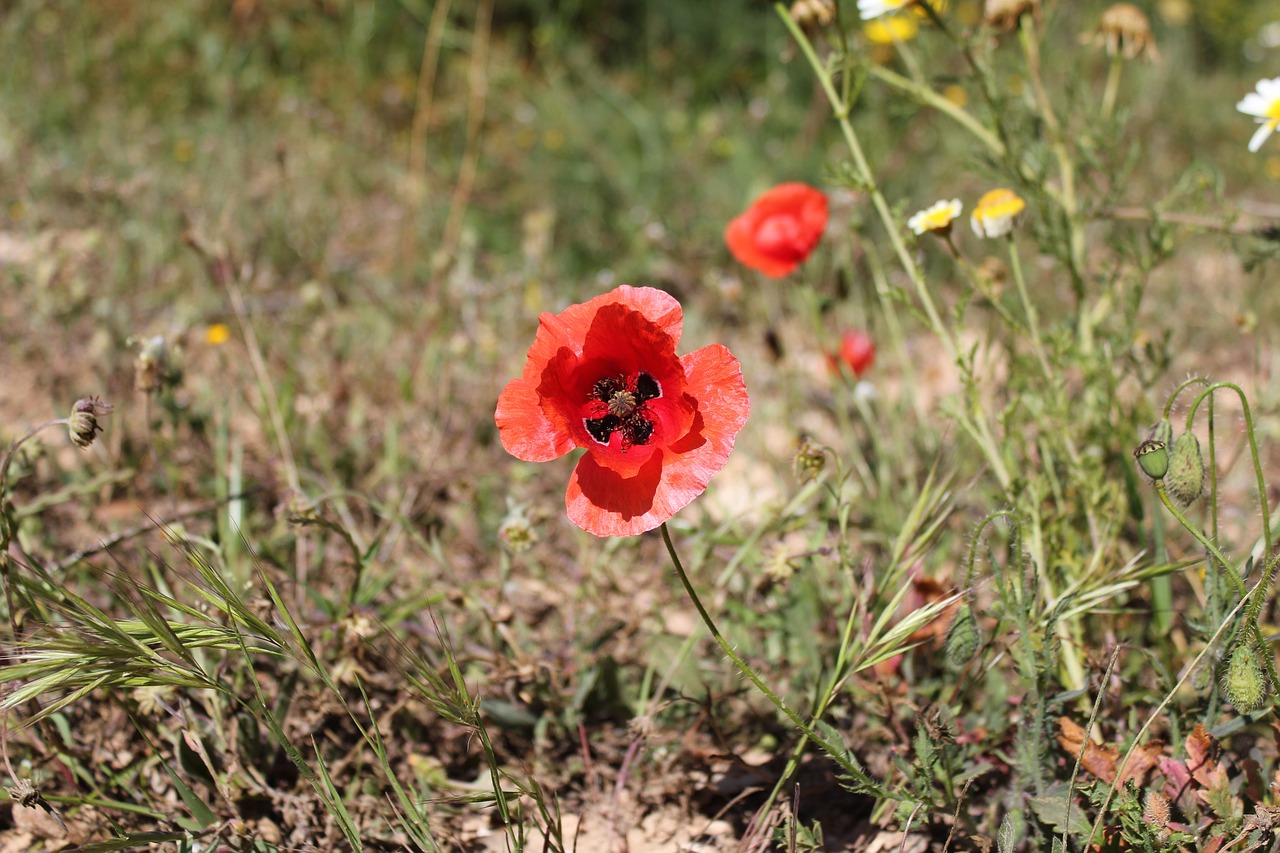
point(863, 168)
point(836, 751)
point(930, 98)
point(1113, 86)
point(1237, 582)
point(13, 448)
point(1033, 318)
point(1066, 168)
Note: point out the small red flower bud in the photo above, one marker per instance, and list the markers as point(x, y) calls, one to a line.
point(858, 352)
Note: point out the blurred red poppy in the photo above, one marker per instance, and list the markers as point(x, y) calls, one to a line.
point(604, 375)
point(858, 352)
point(779, 230)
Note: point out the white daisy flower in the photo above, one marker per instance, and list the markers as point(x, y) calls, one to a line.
point(937, 217)
point(1264, 105)
point(869, 9)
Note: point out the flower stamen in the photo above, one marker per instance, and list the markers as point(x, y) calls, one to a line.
point(619, 402)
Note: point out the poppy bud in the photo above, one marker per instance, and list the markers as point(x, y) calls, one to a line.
point(1162, 431)
point(83, 421)
point(963, 637)
point(858, 352)
point(1244, 683)
point(1185, 478)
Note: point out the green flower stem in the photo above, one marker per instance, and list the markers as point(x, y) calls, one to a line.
point(1033, 319)
point(1269, 563)
point(1237, 582)
point(930, 98)
point(1070, 208)
point(836, 751)
point(13, 449)
point(984, 87)
point(1256, 595)
point(1113, 86)
point(819, 708)
point(865, 174)
point(7, 525)
point(976, 282)
point(1253, 453)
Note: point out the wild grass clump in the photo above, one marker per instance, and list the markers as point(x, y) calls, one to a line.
point(910, 530)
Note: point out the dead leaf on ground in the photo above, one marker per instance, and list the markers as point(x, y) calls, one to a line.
point(1101, 761)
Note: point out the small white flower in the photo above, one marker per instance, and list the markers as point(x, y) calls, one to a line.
point(869, 9)
point(937, 217)
point(1264, 105)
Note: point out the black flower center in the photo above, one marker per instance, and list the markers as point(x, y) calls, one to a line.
point(620, 404)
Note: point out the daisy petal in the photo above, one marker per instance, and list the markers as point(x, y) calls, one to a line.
point(1260, 135)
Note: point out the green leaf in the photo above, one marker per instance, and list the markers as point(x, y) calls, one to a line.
point(203, 815)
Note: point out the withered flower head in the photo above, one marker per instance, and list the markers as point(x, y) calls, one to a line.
point(813, 14)
point(83, 421)
point(1004, 14)
point(1124, 30)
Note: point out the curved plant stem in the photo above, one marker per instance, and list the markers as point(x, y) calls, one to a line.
point(1257, 594)
point(837, 752)
point(930, 98)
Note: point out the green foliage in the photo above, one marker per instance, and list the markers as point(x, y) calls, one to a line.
point(336, 604)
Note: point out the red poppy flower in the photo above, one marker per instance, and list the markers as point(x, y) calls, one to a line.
point(604, 376)
point(779, 230)
point(858, 352)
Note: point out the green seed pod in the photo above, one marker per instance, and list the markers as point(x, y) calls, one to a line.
point(1244, 684)
point(1185, 480)
point(1153, 458)
point(963, 637)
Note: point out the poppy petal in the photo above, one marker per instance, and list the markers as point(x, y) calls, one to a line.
point(606, 503)
point(525, 429)
point(658, 307)
point(740, 237)
point(715, 381)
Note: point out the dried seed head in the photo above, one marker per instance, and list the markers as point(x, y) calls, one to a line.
point(1184, 480)
point(810, 459)
point(149, 367)
point(1123, 30)
point(1004, 14)
point(963, 637)
point(82, 424)
point(1244, 683)
point(517, 531)
point(1156, 812)
point(813, 14)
